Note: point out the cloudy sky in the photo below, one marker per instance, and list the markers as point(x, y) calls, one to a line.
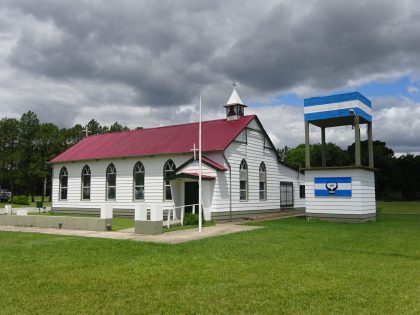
point(144, 63)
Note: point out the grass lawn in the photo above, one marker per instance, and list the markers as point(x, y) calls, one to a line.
point(399, 207)
point(31, 205)
point(290, 267)
point(122, 224)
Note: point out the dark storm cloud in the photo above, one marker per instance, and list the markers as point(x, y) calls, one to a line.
point(326, 46)
point(168, 49)
point(146, 62)
point(151, 46)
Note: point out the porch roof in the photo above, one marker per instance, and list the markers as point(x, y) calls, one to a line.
point(206, 161)
point(184, 175)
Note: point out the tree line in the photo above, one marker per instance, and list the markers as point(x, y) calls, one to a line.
point(26, 146)
point(396, 178)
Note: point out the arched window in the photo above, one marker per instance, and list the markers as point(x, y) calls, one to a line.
point(63, 183)
point(263, 182)
point(86, 183)
point(111, 182)
point(243, 181)
point(138, 181)
point(168, 171)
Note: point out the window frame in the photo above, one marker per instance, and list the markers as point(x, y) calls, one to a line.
point(167, 184)
point(61, 187)
point(302, 192)
point(243, 169)
point(140, 166)
point(262, 172)
point(83, 186)
point(288, 191)
point(111, 167)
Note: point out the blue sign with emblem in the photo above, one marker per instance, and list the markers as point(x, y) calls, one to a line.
point(332, 186)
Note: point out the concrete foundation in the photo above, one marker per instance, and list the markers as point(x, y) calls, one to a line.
point(224, 216)
point(89, 224)
point(348, 218)
point(148, 227)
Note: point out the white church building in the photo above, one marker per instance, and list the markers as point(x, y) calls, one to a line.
point(242, 173)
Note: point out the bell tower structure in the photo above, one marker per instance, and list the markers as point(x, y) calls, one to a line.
point(340, 193)
point(235, 108)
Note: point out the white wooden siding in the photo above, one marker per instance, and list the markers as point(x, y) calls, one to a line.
point(124, 195)
point(254, 153)
point(362, 200)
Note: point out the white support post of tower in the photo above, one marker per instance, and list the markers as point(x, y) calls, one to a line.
point(200, 208)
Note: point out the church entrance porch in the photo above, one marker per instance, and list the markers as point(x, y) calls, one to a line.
point(184, 188)
point(190, 196)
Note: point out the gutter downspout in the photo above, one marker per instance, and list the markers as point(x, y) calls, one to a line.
point(230, 186)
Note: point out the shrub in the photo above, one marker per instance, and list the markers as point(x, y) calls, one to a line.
point(191, 219)
point(20, 200)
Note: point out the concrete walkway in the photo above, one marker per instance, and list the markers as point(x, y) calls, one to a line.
point(174, 237)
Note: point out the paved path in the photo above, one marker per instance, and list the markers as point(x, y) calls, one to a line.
point(174, 237)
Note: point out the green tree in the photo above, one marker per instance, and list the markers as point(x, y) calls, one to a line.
point(49, 145)
point(383, 157)
point(72, 135)
point(95, 127)
point(283, 152)
point(28, 173)
point(9, 131)
point(335, 156)
point(406, 177)
point(295, 157)
point(118, 127)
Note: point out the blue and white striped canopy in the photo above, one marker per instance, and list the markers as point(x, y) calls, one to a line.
point(338, 106)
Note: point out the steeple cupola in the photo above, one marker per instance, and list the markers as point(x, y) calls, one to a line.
point(234, 107)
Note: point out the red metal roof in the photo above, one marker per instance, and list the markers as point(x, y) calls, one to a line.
point(217, 135)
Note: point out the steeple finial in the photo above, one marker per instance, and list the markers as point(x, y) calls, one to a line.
point(234, 97)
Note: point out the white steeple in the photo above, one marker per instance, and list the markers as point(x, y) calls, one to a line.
point(234, 106)
point(234, 98)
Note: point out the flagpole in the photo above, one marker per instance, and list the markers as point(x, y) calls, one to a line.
point(200, 223)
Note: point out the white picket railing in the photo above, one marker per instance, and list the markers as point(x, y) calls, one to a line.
point(171, 213)
point(174, 216)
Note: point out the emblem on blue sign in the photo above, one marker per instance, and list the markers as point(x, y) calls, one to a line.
point(332, 186)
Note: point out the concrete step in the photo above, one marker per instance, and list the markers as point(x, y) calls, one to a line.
point(172, 222)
